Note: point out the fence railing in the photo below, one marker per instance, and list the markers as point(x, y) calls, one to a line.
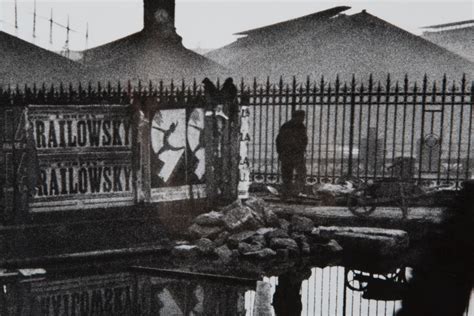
point(357, 128)
point(365, 129)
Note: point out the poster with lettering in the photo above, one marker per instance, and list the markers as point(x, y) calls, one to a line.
point(114, 294)
point(83, 156)
point(177, 156)
point(244, 164)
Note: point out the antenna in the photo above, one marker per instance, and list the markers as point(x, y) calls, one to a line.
point(34, 21)
point(16, 18)
point(51, 28)
point(87, 35)
point(66, 45)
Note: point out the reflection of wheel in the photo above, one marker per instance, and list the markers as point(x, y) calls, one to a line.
point(357, 280)
point(358, 203)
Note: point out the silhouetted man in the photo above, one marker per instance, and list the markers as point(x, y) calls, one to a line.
point(291, 145)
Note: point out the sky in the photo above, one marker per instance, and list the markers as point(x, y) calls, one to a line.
point(205, 23)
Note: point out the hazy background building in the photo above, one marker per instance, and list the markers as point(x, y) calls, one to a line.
point(457, 37)
point(25, 63)
point(330, 43)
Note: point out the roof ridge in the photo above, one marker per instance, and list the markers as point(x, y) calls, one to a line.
point(324, 14)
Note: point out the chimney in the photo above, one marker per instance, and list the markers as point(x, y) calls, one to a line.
point(158, 16)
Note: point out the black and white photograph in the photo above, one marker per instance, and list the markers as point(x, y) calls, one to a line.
point(237, 157)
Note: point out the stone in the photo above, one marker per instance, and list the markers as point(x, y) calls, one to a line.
point(285, 243)
point(368, 239)
point(284, 224)
point(262, 254)
point(236, 204)
point(197, 231)
point(305, 248)
point(205, 246)
point(234, 239)
point(240, 219)
point(258, 240)
point(271, 219)
point(302, 242)
point(259, 218)
point(224, 253)
point(221, 239)
point(245, 248)
point(185, 251)
point(264, 230)
point(256, 204)
point(283, 254)
point(209, 219)
point(334, 246)
point(301, 224)
point(277, 233)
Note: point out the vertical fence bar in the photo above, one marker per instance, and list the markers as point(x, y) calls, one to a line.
point(377, 121)
point(328, 130)
point(344, 104)
point(336, 105)
point(395, 114)
point(451, 119)
point(359, 138)
point(405, 103)
point(422, 130)
point(313, 128)
point(433, 102)
point(280, 104)
point(260, 114)
point(321, 102)
point(461, 119)
point(469, 133)
point(369, 108)
point(267, 97)
point(351, 127)
point(272, 139)
point(387, 101)
point(441, 136)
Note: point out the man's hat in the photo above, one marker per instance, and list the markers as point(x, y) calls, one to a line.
point(299, 113)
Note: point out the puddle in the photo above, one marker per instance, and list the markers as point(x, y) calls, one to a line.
point(330, 290)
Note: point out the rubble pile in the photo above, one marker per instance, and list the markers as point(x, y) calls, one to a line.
point(252, 230)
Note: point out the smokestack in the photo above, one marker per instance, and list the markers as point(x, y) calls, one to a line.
point(159, 14)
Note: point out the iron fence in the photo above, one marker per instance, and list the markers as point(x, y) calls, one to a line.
point(357, 128)
point(368, 130)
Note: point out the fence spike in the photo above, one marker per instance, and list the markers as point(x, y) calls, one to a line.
point(453, 87)
point(434, 89)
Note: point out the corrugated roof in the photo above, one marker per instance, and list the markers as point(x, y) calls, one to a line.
point(344, 45)
point(25, 63)
point(144, 56)
point(321, 15)
point(460, 23)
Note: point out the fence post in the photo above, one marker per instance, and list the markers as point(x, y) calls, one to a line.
point(351, 127)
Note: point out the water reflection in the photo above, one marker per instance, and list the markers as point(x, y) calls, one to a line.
point(328, 291)
point(334, 291)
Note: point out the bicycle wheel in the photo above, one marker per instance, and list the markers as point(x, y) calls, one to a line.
point(358, 204)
